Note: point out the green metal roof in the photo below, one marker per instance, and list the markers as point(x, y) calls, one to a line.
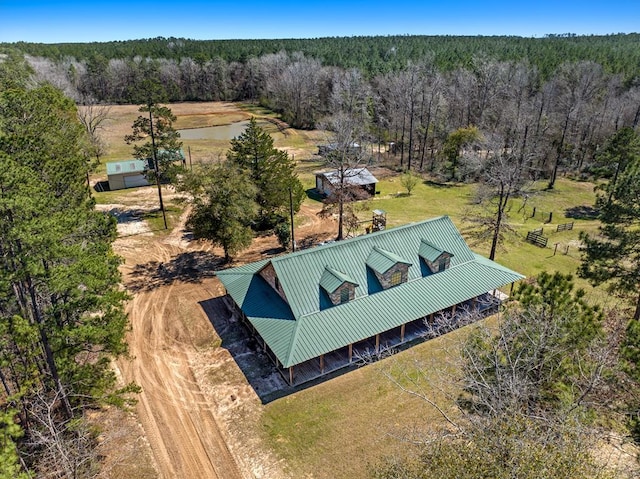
point(138, 166)
point(300, 329)
point(381, 261)
point(332, 279)
point(125, 166)
point(429, 252)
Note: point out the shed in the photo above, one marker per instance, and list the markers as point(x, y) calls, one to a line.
point(126, 174)
point(358, 178)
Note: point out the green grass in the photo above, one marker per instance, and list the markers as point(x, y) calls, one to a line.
point(343, 427)
point(156, 222)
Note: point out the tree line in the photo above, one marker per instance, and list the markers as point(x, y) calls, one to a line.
point(62, 318)
point(372, 55)
point(557, 120)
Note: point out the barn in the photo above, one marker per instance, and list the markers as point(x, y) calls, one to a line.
point(126, 174)
point(359, 179)
point(320, 309)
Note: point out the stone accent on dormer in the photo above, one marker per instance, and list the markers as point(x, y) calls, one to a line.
point(338, 286)
point(268, 273)
point(387, 279)
point(435, 259)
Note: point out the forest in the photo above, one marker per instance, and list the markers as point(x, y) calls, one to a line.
point(554, 99)
point(498, 112)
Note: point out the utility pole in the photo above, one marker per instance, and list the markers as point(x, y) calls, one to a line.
point(293, 238)
point(156, 167)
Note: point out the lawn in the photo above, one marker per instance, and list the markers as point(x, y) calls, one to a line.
point(343, 427)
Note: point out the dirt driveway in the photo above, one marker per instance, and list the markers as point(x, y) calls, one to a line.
point(172, 343)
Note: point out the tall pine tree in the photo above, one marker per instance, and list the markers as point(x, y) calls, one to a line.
point(613, 257)
point(61, 311)
point(273, 174)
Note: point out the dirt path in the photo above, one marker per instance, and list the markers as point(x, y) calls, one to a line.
point(172, 346)
point(178, 419)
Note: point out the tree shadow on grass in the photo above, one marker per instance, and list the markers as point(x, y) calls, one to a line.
point(582, 212)
point(190, 267)
point(438, 184)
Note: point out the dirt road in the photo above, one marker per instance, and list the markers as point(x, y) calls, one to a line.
point(168, 277)
point(167, 327)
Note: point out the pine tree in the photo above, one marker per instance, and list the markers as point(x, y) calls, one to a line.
point(61, 311)
point(272, 171)
point(161, 148)
point(613, 257)
point(224, 207)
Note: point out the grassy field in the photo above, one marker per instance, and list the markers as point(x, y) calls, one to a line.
point(342, 427)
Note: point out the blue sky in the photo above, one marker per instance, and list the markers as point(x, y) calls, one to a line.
point(85, 21)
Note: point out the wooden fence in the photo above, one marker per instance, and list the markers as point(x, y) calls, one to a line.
point(565, 227)
point(537, 238)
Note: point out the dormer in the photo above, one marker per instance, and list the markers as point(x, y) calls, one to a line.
point(389, 268)
point(435, 259)
point(268, 273)
point(338, 286)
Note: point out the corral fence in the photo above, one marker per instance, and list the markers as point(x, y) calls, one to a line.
point(544, 216)
point(535, 213)
point(564, 249)
point(564, 227)
point(535, 237)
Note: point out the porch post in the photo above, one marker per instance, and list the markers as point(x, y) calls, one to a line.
point(350, 352)
point(431, 318)
point(402, 332)
point(322, 364)
point(377, 342)
point(453, 310)
point(473, 303)
point(290, 375)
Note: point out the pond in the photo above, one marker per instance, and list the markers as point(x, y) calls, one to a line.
point(221, 132)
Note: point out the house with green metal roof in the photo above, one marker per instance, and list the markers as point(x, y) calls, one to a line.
point(316, 310)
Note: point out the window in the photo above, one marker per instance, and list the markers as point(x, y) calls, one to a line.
point(396, 278)
point(443, 264)
point(344, 295)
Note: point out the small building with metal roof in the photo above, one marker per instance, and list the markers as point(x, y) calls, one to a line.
point(126, 174)
point(316, 310)
point(131, 173)
point(358, 179)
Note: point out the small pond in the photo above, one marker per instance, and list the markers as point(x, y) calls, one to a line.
point(221, 132)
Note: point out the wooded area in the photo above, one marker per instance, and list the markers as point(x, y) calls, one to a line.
point(62, 319)
point(496, 111)
point(551, 101)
